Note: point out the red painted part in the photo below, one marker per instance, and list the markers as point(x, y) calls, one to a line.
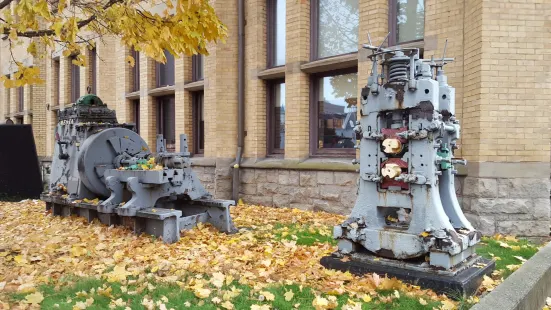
point(391, 133)
point(396, 161)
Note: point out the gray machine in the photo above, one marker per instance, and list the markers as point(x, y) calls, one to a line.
point(103, 169)
point(407, 217)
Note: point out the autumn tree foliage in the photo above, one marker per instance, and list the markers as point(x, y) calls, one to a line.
point(150, 27)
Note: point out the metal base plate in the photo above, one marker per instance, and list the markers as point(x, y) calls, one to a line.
point(455, 285)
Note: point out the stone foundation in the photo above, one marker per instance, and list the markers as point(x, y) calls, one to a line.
point(331, 191)
point(509, 199)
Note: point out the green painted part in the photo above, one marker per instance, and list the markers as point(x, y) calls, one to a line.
point(89, 99)
point(444, 152)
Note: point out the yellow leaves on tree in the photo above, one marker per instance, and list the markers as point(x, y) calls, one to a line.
point(178, 26)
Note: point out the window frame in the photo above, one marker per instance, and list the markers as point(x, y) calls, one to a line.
point(271, 27)
point(93, 71)
point(314, 33)
point(197, 62)
point(270, 117)
point(393, 25)
point(136, 71)
point(75, 81)
point(166, 66)
point(314, 114)
point(196, 122)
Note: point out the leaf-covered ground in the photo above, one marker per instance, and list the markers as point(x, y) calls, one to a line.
point(272, 263)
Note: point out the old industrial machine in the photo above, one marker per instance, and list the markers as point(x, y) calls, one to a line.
point(105, 170)
point(407, 221)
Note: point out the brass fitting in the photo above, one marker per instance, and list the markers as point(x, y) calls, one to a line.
point(392, 146)
point(391, 171)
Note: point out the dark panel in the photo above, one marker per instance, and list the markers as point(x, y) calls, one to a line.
point(19, 168)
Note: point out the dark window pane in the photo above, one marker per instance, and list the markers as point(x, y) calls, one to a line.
point(137, 115)
point(165, 72)
point(279, 116)
point(93, 72)
point(410, 19)
point(136, 71)
point(57, 84)
point(337, 111)
point(199, 121)
point(75, 82)
point(166, 121)
point(337, 27)
point(21, 95)
point(198, 67)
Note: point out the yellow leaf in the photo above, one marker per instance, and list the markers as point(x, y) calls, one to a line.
point(366, 298)
point(31, 49)
point(202, 292)
point(396, 294)
point(130, 60)
point(511, 239)
point(269, 296)
point(320, 303)
point(522, 259)
point(227, 305)
point(289, 295)
point(13, 34)
point(422, 302)
point(78, 251)
point(260, 307)
point(34, 298)
point(515, 248)
point(424, 234)
point(217, 279)
point(504, 245)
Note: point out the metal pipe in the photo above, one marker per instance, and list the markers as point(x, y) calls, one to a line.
point(240, 97)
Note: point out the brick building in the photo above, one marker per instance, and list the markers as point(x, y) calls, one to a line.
point(303, 71)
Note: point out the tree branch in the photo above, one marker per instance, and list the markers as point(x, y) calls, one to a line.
point(5, 3)
point(49, 32)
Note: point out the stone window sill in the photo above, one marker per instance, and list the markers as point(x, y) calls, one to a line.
point(272, 73)
point(331, 63)
point(195, 86)
point(133, 95)
point(161, 91)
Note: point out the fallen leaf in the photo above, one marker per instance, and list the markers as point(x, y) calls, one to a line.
point(34, 298)
point(289, 295)
point(269, 296)
point(522, 259)
point(422, 302)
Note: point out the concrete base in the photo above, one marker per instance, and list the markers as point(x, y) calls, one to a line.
point(460, 282)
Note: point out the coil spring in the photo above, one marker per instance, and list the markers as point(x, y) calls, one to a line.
point(398, 69)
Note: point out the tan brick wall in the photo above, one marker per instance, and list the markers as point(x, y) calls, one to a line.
point(107, 70)
point(255, 88)
point(444, 20)
point(148, 106)
point(123, 82)
point(297, 83)
point(183, 101)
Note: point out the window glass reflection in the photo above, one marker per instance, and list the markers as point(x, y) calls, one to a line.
point(279, 34)
point(337, 111)
point(410, 19)
point(279, 116)
point(338, 27)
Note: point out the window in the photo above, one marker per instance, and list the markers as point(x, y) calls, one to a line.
point(276, 117)
point(334, 113)
point(136, 112)
point(198, 122)
point(166, 121)
point(165, 72)
point(93, 73)
point(19, 120)
point(197, 68)
point(136, 71)
point(20, 99)
point(335, 27)
point(407, 20)
point(75, 82)
point(276, 33)
point(56, 67)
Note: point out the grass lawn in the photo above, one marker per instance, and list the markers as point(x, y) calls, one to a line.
point(273, 263)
